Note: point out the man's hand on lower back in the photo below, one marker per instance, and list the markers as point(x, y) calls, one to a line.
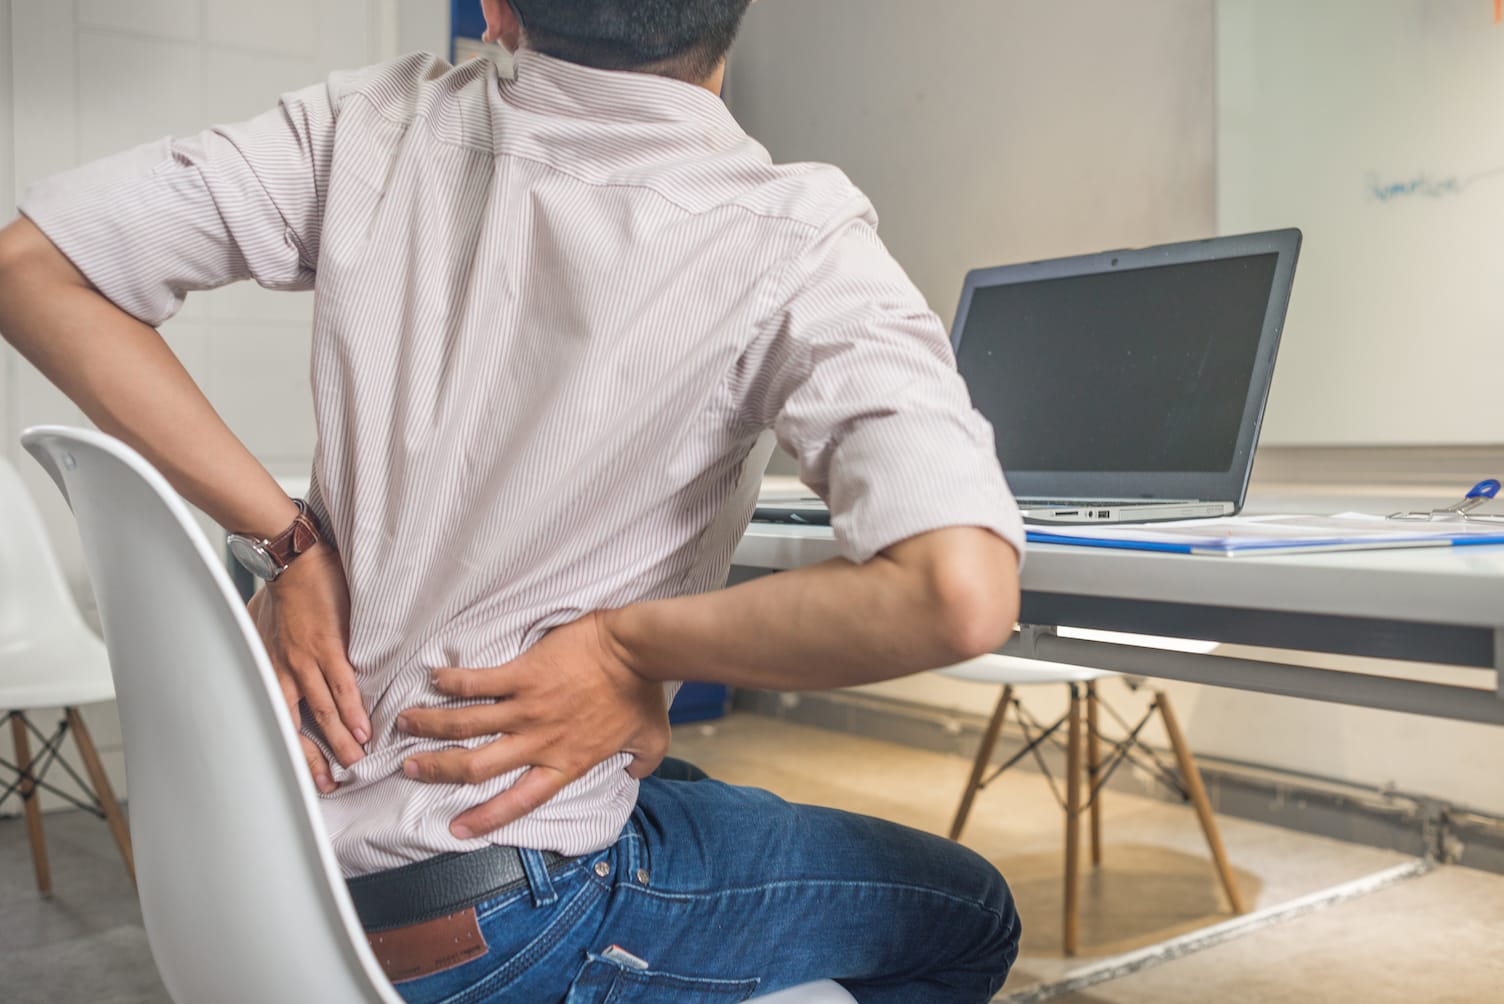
point(304, 621)
point(562, 707)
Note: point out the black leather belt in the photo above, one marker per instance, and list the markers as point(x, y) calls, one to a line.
point(439, 886)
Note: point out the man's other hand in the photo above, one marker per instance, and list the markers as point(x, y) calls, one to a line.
point(304, 621)
point(562, 707)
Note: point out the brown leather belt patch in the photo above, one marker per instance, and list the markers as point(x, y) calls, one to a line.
point(406, 953)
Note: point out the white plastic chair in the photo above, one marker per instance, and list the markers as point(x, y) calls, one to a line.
point(48, 659)
point(1086, 771)
point(242, 898)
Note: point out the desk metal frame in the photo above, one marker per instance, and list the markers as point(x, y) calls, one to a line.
point(1426, 644)
point(1438, 606)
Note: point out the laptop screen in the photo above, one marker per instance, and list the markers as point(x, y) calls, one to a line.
point(1126, 370)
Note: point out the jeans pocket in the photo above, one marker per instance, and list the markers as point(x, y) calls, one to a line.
point(531, 954)
point(602, 981)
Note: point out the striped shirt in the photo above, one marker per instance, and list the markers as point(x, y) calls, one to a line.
point(553, 317)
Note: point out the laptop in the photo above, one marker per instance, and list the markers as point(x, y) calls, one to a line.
point(1125, 386)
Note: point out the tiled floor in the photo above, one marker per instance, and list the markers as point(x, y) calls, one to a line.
point(1434, 938)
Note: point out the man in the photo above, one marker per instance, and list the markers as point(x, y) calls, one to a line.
point(553, 316)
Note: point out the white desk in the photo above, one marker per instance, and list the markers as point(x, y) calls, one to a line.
point(1427, 605)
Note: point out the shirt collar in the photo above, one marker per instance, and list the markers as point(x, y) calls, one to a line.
point(557, 87)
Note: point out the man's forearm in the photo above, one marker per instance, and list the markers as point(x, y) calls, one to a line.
point(126, 379)
point(939, 598)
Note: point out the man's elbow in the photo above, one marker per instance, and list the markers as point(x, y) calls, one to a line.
point(978, 622)
point(977, 599)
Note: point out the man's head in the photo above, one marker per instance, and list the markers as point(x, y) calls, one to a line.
point(679, 38)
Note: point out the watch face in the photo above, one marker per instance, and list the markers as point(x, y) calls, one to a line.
point(253, 556)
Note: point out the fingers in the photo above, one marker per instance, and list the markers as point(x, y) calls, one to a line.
point(340, 676)
point(303, 618)
point(315, 690)
point(459, 765)
point(648, 753)
point(470, 722)
point(530, 792)
point(643, 765)
point(498, 682)
point(317, 765)
point(649, 749)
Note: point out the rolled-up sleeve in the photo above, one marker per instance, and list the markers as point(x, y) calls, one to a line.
point(242, 201)
point(857, 378)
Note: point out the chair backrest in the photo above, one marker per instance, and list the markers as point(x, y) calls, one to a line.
point(34, 597)
point(241, 895)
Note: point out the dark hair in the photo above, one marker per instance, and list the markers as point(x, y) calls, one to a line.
point(683, 38)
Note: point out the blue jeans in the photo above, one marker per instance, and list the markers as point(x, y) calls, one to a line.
point(715, 893)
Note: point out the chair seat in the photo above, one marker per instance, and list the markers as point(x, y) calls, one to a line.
point(823, 992)
point(57, 669)
point(1016, 671)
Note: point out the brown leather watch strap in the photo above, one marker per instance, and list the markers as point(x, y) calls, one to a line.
point(297, 538)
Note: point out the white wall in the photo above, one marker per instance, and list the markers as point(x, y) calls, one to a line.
point(8, 416)
point(421, 25)
point(987, 132)
point(88, 78)
point(993, 131)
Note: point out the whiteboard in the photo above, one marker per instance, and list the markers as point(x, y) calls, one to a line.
point(1378, 129)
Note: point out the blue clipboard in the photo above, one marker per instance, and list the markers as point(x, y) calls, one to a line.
point(1045, 537)
point(1291, 545)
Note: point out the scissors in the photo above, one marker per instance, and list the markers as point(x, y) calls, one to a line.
point(1476, 496)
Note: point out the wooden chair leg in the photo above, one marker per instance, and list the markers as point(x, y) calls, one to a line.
point(33, 803)
point(1093, 772)
point(1073, 823)
point(1192, 779)
point(101, 782)
point(979, 765)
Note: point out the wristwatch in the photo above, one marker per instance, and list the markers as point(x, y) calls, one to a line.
point(267, 559)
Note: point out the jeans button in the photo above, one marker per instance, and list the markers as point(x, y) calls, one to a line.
point(602, 869)
point(642, 876)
